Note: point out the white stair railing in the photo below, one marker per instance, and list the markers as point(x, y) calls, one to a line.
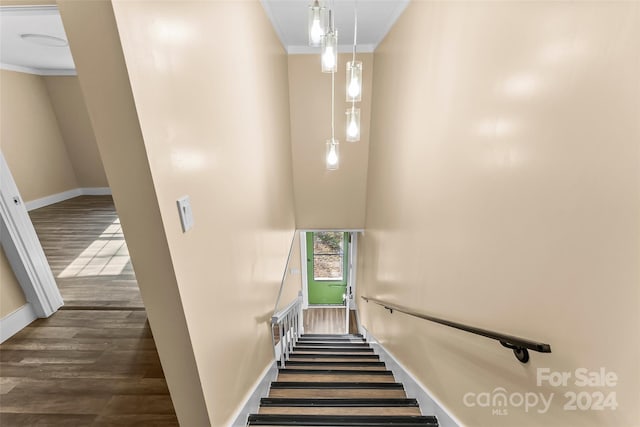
point(288, 323)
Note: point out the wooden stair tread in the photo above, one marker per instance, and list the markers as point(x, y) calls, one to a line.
point(328, 393)
point(333, 377)
point(338, 410)
point(349, 402)
point(341, 420)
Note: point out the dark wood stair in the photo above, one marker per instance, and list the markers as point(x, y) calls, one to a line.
point(337, 380)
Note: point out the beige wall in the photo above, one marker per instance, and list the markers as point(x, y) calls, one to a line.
point(327, 199)
point(68, 104)
point(503, 192)
point(210, 86)
point(11, 295)
point(30, 137)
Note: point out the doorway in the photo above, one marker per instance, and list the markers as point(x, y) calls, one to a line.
point(327, 267)
point(328, 280)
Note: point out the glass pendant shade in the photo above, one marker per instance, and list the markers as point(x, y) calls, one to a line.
point(333, 154)
point(354, 81)
point(330, 52)
point(317, 23)
point(353, 124)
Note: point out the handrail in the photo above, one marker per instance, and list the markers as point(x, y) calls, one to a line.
point(288, 320)
point(520, 346)
point(286, 267)
point(277, 317)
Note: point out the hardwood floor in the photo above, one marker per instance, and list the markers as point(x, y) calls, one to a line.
point(84, 244)
point(328, 320)
point(85, 367)
point(324, 320)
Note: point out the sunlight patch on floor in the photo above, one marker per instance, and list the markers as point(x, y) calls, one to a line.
point(106, 256)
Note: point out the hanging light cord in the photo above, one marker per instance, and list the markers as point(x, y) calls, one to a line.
point(355, 40)
point(355, 29)
point(333, 93)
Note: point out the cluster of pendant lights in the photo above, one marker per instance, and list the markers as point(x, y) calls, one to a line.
point(322, 33)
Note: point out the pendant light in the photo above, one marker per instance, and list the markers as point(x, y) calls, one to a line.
point(333, 154)
point(330, 47)
point(354, 81)
point(354, 86)
point(332, 145)
point(353, 124)
point(317, 23)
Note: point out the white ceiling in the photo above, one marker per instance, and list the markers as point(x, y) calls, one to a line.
point(289, 18)
point(375, 18)
point(19, 54)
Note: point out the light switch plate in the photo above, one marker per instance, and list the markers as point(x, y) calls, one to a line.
point(186, 215)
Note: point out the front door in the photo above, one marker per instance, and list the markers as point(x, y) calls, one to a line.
point(327, 261)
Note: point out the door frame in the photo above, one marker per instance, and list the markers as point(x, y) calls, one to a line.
point(23, 249)
point(353, 254)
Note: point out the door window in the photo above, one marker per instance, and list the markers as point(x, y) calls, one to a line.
point(328, 255)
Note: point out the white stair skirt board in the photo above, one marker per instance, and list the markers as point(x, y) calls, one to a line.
point(414, 388)
point(252, 403)
point(14, 322)
point(66, 195)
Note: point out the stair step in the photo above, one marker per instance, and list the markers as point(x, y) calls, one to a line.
point(311, 364)
point(339, 375)
point(321, 390)
point(332, 335)
point(355, 340)
point(333, 393)
point(336, 385)
point(346, 349)
point(275, 401)
point(307, 356)
point(341, 420)
point(334, 371)
point(340, 410)
point(333, 344)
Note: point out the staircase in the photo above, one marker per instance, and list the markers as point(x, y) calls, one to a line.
point(337, 380)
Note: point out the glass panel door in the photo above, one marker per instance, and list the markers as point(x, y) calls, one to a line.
point(327, 261)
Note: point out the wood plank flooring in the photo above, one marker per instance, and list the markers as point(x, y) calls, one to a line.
point(324, 320)
point(83, 241)
point(85, 367)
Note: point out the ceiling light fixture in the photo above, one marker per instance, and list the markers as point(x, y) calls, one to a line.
point(317, 23)
point(330, 47)
point(45, 40)
point(354, 85)
point(332, 145)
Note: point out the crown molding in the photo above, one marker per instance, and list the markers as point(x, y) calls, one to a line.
point(343, 48)
point(39, 71)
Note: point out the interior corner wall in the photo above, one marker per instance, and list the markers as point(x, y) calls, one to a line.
point(31, 139)
point(11, 295)
point(217, 131)
point(97, 51)
point(504, 193)
point(75, 126)
point(212, 126)
point(327, 199)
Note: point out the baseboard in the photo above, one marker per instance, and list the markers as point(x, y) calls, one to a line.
point(96, 191)
point(66, 195)
point(414, 388)
point(14, 322)
point(260, 390)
